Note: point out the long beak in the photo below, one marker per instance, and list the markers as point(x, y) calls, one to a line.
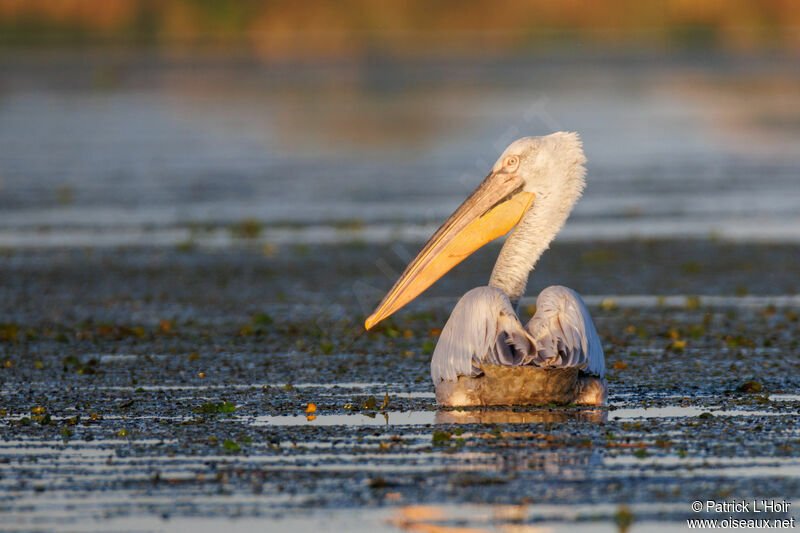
point(491, 211)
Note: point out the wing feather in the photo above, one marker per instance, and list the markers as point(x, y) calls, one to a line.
point(563, 332)
point(484, 328)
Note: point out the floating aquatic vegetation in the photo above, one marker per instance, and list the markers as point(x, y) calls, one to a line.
point(370, 403)
point(248, 228)
point(598, 256)
point(751, 386)
point(741, 290)
point(262, 319)
point(231, 446)
point(352, 224)
point(326, 347)
point(693, 302)
point(624, 518)
point(74, 363)
point(211, 408)
point(608, 304)
point(441, 437)
point(696, 331)
point(9, 332)
point(738, 341)
point(379, 483)
point(691, 268)
point(678, 345)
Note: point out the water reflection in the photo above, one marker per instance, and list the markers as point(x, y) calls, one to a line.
point(532, 518)
point(436, 519)
point(487, 416)
point(520, 417)
point(412, 418)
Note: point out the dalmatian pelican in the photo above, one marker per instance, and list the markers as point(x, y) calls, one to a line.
point(485, 356)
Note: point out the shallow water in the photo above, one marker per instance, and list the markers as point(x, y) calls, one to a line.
point(176, 383)
point(164, 484)
point(164, 387)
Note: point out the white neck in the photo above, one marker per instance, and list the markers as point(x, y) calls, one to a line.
point(533, 235)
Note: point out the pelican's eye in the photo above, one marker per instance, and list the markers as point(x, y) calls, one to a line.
point(511, 162)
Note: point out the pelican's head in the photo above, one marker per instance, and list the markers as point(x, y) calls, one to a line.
point(545, 164)
point(531, 167)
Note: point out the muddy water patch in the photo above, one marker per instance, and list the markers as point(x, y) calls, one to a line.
point(685, 411)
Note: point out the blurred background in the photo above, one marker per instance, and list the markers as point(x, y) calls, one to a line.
point(199, 122)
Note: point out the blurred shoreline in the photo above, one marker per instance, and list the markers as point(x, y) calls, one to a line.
point(77, 67)
point(316, 28)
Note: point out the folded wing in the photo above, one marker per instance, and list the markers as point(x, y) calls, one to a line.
point(484, 328)
point(564, 334)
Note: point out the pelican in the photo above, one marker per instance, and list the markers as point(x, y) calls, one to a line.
point(485, 356)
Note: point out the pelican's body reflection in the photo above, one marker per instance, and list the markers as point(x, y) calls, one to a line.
point(520, 417)
point(540, 453)
point(516, 450)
